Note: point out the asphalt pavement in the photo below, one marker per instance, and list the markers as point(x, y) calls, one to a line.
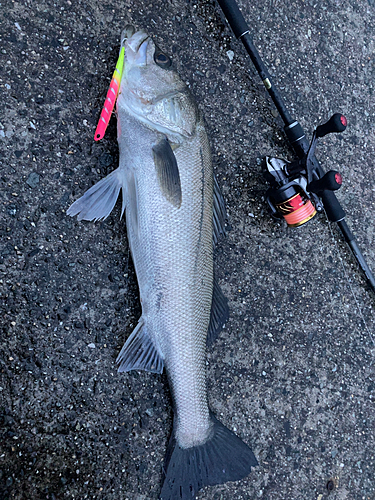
point(292, 373)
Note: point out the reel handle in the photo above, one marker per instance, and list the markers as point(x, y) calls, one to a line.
point(337, 123)
point(332, 181)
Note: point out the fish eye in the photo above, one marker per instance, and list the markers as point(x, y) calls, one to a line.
point(162, 59)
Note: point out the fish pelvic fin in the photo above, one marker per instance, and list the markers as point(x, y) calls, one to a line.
point(219, 313)
point(98, 202)
point(224, 457)
point(139, 352)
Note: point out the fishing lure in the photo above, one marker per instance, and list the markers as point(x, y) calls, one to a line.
point(110, 100)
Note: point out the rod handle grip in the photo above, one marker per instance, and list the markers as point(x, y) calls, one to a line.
point(334, 210)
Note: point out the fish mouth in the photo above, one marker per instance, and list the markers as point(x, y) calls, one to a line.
point(135, 43)
point(126, 33)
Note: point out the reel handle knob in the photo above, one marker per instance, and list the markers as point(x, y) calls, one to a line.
point(331, 181)
point(337, 123)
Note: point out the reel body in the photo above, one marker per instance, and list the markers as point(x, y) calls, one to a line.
point(297, 187)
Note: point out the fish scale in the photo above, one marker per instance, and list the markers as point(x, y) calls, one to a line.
point(171, 199)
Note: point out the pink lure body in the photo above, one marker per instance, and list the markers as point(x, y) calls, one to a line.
point(110, 100)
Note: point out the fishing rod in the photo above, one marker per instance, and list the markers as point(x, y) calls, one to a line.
point(299, 188)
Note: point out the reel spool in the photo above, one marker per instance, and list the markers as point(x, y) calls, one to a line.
point(288, 199)
point(296, 208)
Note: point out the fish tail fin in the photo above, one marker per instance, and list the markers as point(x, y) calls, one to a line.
point(224, 457)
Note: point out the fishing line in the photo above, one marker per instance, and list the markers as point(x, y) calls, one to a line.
point(348, 283)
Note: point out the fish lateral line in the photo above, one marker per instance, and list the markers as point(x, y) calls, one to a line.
point(111, 97)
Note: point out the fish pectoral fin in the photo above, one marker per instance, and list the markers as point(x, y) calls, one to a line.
point(139, 352)
point(98, 202)
point(220, 213)
point(219, 313)
point(167, 172)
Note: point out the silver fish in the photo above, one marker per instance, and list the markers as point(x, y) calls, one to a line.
point(174, 214)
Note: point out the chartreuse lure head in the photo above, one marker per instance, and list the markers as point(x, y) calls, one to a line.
point(111, 97)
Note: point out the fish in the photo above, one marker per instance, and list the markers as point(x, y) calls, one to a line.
point(175, 215)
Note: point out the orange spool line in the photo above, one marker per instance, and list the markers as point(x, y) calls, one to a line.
point(300, 215)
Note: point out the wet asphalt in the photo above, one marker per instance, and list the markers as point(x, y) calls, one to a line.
point(292, 373)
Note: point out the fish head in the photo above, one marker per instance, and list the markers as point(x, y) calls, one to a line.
point(151, 90)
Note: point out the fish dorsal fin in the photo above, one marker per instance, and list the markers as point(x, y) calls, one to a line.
point(219, 313)
point(220, 214)
point(139, 352)
point(167, 172)
point(98, 202)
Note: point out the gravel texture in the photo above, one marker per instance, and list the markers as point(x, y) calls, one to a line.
point(293, 370)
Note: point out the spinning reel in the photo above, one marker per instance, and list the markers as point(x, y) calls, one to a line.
point(296, 187)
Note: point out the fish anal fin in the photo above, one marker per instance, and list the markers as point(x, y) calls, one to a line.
point(219, 313)
point(139, 352)
point(167, 172)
